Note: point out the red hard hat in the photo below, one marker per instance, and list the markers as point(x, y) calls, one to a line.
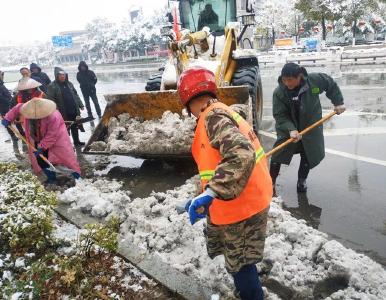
point(195, 81)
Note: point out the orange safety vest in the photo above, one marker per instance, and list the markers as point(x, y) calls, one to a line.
point(257, 194)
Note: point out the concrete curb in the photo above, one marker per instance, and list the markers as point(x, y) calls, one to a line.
point(151, 265)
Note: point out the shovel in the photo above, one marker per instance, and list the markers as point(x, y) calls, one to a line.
point(303, 132)
point(79, 123)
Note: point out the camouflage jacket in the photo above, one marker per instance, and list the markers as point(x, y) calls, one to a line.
point(238, 155)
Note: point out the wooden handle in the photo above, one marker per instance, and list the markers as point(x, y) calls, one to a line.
point(303, 132)
point(16, 132)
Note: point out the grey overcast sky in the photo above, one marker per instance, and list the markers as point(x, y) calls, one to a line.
point(28, 20)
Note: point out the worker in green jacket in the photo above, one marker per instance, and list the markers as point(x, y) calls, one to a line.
point(296, 105)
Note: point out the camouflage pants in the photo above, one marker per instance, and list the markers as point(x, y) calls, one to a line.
point(241, 243)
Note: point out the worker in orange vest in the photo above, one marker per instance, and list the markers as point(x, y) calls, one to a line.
point(235, 181)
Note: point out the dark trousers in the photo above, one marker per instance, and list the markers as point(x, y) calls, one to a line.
point(91, 93)
point(247, 283)
point(73, 128)
point(303, 171)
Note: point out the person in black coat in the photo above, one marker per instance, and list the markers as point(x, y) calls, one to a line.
point(5, 102)
point(38, 75)
point(87, 80)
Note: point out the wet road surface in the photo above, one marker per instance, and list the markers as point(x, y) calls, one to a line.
point(347, 191)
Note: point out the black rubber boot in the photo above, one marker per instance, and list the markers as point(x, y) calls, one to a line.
point(301, 186)
point(75, 137)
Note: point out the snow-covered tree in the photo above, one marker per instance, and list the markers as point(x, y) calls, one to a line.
point(126, 38)
point(350, 10)
point(320, 11)
point(277, 16)
point(101, 37)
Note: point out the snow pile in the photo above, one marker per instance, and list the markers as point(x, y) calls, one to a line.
point(101, 198)
point(299, 261)
point(154, 226)
point(172, 134)
point(303, 260)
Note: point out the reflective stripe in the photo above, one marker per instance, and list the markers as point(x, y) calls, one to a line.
point(259, 154)
point(207, 174)
point(236, 117)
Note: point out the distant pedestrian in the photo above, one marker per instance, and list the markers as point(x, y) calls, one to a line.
point(25, 72)
point(46, 131)
point(63, 93)
point(296, 105)
point(87, 80)
point(38, 75)
point(5, 103)
point(27, 89)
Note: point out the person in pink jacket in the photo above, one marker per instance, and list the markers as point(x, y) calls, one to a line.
point(46, 130)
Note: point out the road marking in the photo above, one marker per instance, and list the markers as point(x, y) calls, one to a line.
point(357, 157)
point(354, 131)
point(339, 153)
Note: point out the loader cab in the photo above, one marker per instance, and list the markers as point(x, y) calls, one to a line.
point(215, 14)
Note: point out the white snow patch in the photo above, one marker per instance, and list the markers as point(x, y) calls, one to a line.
point(64, 231)
point(16, 296)
point(101, 197)
point(7, 275)
point(20, 262)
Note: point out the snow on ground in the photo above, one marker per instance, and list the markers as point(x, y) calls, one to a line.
point(299, 261)
point(172, 133)
point(99, 197)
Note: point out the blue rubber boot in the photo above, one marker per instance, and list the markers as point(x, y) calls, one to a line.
point(247, 283)
point(76, 175)
point(51, 176)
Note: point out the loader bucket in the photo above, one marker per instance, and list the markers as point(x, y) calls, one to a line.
point(151, 105)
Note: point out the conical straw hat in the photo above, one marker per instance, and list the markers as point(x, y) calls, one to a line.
point(27, 83)
point(38, 108)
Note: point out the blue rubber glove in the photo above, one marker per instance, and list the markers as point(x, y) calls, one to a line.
point(5, 123)
point(38, 152)
point(203, 200)
point(76, 175)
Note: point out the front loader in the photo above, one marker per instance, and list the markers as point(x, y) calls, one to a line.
point(207, 33)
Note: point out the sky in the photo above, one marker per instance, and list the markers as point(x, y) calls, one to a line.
point(26, 20)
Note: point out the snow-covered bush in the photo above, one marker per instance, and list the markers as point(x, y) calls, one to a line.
point(43, 257)
point(25, 210)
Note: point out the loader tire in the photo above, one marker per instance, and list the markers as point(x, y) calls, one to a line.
point(154, 83)
point(250, 76)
